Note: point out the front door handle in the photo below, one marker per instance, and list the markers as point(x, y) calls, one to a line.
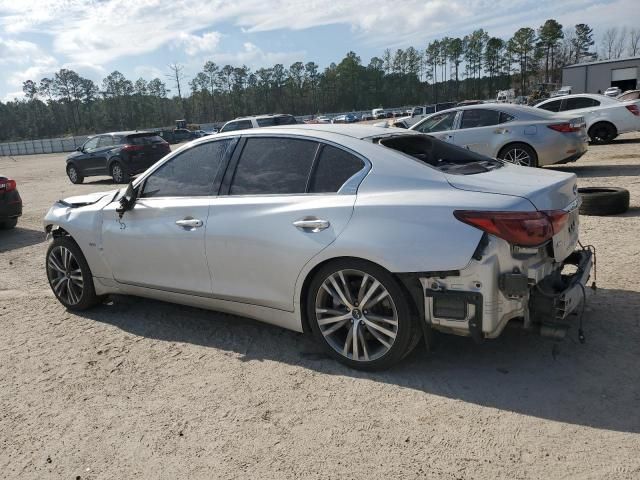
point(311, 224)
point(189, 223)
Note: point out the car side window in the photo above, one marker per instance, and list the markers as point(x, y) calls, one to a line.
point(272, 165)
point(334, 167)
point(579, 102)
point(438, 123)
point(552, 106)
point(475, 118)
point(239, 125)
point(192, 173)
point(91, 144)
point(505, 117)
point(105, 141)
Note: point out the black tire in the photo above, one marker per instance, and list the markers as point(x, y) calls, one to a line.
point(407, 334)
point(87, 298)
point(118, 172)
point(602, 201)
point(8, 224)
point(602, 133)
point(510, 152)
point(74, 174)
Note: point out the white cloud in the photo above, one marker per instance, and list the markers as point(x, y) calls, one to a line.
point(253, 56)
point(196, 44)
point(148, 72)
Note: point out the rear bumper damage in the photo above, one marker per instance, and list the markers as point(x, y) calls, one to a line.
point(503, 283)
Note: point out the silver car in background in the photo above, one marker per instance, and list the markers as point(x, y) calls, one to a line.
point(368, 238)
point(518, 134)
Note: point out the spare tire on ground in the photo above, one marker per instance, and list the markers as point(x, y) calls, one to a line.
point(603, 200)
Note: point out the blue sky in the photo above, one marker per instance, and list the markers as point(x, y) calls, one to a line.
point(141, 37)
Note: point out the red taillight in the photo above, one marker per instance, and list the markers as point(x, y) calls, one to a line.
point(633, 109)
point(7, 185)
point(526, 229)
point(564, 127)
point(132, 148)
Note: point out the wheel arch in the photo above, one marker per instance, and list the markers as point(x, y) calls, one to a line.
point(520, 142)
point(402, 279)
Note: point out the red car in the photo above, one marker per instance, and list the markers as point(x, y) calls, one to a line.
point(10, 203)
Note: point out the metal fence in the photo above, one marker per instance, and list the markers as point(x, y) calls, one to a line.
point(69, 144)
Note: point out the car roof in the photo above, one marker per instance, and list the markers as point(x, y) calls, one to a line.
point(594, 96)
point(129, 132)
point(349, 130)
point(270, 115)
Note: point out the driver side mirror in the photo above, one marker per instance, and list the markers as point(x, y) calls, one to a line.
point(127, 201)
point(79, 149)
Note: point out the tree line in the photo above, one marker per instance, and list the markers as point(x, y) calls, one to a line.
point(448, 69)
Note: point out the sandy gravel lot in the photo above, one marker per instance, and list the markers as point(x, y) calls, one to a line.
point(143, 389)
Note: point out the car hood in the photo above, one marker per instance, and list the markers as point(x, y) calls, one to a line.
point(545, 189)
point(88, 199)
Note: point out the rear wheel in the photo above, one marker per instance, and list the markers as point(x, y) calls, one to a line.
point(118, 173)
point(602, 132)
point(69, 275)
point(519, 154)
point(360, 314)
point(74, 174)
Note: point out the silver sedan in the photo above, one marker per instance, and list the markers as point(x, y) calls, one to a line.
point(369, 239)
point(518, 134)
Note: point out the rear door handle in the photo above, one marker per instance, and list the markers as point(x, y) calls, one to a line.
point(189, 223)
point(311, 224)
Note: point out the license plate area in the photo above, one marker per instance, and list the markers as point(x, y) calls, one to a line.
point(565, 241)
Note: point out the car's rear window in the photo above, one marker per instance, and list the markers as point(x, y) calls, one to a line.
point(143, 139)
point(441, 155)
point(273, 121)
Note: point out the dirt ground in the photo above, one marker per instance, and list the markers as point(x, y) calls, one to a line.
point(143, 389)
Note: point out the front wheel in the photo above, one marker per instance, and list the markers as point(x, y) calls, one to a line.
point(69, 275)
point(361, 315)
point(74, 174)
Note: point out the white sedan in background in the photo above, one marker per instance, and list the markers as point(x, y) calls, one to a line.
point(606, 117)
point(515, 133)
point(367, 238)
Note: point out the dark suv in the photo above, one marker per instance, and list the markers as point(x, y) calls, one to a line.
point(118, 154)
point(10, 203)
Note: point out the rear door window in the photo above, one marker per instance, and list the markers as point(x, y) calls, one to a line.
point(144, 139)
point(579, 102)
point(551, 106)
point(479, 118)
point(272, 165)
point(279, 120)
point(334, 167)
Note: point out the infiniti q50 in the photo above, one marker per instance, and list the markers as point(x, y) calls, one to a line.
point(368, 239)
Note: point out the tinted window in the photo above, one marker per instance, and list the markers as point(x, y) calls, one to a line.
point(505, 117)
point(239, 125)
point(437, 123)
point(479, 118)
point(579, 102)
point(551, 106)
point(144, 140)
point(190, 174)
point(91, 143)
point(335, 166)
point(105, 141)
point(273, 166)
point(281, 120)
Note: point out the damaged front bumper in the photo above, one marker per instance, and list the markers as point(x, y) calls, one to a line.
point(502, 284)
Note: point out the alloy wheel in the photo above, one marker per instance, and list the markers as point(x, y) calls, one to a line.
point(65, 275)
point(117, 173)
point(517, 156)
point(73, 174)
point(356, 315)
